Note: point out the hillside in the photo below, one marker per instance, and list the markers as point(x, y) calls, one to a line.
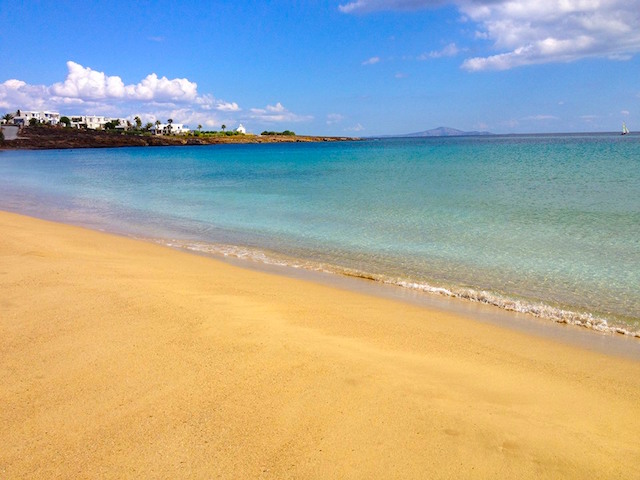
point(444, 132)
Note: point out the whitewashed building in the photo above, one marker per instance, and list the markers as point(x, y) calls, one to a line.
point(96, 122)
point(169, 129)
point(241, 129)
point(24, 117)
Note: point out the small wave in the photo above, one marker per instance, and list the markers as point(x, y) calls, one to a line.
point(539, 310)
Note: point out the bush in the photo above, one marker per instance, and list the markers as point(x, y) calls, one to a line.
point(286, 132)
point(1, 136)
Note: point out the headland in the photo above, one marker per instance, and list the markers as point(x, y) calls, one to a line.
point(54, 137)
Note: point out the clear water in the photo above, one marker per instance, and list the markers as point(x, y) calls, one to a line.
point(544, 224)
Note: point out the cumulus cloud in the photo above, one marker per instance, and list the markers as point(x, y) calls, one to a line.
point(88, 84)
point(528, 32)
point(209, 102)
point(88, 91)
point(227, 106)
point(450, 50)
point(276, 114)
point(371, 61)
point(14, 93)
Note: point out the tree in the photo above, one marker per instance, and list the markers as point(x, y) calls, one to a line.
point(66, 121)
point(148, 126)
point(223, 127)
point(138, 122)
point(169, 127)
point(33, 122)
point(8, 117)
point(158, 122)
point(199, 127)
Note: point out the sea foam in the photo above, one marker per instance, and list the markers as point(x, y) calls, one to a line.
point(539, 310)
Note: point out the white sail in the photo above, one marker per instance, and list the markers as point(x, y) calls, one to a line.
point(625, 130)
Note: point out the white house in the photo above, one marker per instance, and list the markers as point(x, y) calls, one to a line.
point(241, 129)
point(169, 129)
point(23, 117)
point(95, 122)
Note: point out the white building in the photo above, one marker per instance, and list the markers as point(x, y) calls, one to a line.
point(24, 117)
point(169, 129)
point(95, 122)
point(241, 129)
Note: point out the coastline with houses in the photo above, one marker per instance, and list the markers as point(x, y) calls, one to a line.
point(27, 129)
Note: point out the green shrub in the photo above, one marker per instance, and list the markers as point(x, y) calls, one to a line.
point(286, 132)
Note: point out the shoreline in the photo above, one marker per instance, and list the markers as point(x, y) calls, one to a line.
point(597, 334)
point(53, 138)
point(608, 342)
point(125, 358)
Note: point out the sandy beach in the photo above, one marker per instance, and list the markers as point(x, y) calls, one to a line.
point(124, 359)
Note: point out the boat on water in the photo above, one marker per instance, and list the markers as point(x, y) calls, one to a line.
point(625, 130)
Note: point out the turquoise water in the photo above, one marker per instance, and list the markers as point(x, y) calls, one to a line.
point(544, 224)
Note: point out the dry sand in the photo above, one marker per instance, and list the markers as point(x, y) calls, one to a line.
point(123, 359)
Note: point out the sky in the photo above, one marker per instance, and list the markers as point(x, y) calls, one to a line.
point(346, 67)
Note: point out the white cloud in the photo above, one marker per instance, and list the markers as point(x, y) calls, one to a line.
point(624, 112)
point(528, 32)
point(88, 91)
point(162, 89)
point(334, 118)
point(450, 50)
point(85, 90)
point(371, 61)
point(356, 128)
point(277, 114)
point(87, 84)
point(16, 93)
point(366, 6)
point(541, 117)
point(227, 107)
point(400, 75)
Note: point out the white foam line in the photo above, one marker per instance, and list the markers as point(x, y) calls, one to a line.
point(557, 315)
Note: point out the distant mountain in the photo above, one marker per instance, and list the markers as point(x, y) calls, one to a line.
point(442, 132)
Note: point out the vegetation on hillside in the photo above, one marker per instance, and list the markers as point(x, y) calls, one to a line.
point(286, 133)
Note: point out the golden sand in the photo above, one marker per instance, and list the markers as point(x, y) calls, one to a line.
point(123, 359)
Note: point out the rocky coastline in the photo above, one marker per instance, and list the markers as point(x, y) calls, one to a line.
point(50, 137)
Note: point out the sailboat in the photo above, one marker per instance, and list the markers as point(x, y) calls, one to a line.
point(625, 130)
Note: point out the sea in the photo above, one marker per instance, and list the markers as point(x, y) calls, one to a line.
point(546, 225)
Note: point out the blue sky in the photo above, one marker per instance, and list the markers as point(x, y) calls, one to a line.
point(362, 67)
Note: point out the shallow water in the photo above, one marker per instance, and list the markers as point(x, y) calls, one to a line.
point(544, 224)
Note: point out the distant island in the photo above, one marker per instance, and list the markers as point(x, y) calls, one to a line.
point(438, 132)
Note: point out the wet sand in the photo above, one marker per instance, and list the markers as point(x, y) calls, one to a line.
point(124, 359)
